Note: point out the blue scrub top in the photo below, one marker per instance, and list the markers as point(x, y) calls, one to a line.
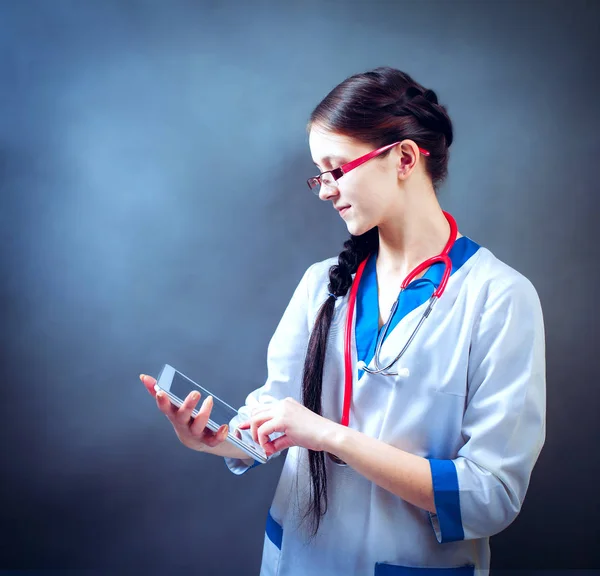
point(416, 293)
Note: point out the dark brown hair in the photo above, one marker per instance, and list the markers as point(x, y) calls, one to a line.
point(378, 107)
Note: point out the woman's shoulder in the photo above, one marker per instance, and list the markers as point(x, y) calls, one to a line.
point(320, 270)
point(496, 279)
point(316, 278)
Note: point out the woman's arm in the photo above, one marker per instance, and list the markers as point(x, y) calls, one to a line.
point(404, 474)
point(478, 491)
point(227, 450)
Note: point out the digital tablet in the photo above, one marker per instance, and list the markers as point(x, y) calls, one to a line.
point(177, 386)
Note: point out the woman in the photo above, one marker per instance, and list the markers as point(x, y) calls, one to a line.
point(392, 467)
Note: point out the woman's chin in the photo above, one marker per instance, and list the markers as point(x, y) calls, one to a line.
point(357, 228)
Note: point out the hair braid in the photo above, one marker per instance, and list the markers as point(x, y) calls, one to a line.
point(356, 249)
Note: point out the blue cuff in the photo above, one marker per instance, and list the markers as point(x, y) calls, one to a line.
point(235, 465)
point(274, 531)
point(447, 521)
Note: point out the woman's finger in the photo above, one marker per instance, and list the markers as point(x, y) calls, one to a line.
point(212, 439)
point(165, 406)
point(198, 424)
point(257, 421)
point(149, 383)
point(266, 429)
point(278, 444)
point(185, 411)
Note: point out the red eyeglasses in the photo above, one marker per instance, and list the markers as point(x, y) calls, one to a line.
point(330, 177)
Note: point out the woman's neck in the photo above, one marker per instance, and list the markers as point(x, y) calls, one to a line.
point(416, 232)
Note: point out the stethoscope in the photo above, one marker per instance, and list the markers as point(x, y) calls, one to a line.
point(442, 257)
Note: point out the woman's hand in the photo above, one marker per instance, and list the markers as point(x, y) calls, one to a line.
point(299, 425)
point(192, 432)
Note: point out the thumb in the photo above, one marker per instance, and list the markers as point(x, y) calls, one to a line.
point(281, 443)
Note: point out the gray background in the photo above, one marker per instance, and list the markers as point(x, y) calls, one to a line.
point(153, 208)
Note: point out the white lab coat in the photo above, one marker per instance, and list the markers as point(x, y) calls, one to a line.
point(473, 404)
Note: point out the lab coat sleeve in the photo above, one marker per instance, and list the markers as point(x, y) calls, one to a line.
point(285, 363)
point(480, 492)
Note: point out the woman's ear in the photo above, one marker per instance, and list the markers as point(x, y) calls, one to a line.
point(408, 155)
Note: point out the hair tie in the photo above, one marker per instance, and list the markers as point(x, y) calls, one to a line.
point(330, 294)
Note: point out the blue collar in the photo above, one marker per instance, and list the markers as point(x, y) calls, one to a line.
point(416, 293)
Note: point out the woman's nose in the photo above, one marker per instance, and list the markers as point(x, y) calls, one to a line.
point(328, 192)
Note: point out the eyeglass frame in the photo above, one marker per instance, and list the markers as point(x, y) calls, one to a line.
point(337, 173)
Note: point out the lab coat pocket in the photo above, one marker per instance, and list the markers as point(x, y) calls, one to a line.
point(382, 569)
point(271, 548)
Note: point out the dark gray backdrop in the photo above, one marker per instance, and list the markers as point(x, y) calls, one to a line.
point(153, 159)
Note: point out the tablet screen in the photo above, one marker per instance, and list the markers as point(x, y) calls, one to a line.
point(221, 412)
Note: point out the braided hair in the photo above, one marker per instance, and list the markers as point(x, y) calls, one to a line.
point(378, 107)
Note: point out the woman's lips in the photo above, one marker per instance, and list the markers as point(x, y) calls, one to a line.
point(343, 210)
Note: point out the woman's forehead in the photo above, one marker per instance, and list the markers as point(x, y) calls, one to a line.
point(326, 146)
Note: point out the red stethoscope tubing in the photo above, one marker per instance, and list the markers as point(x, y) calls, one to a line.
point(443, 257)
